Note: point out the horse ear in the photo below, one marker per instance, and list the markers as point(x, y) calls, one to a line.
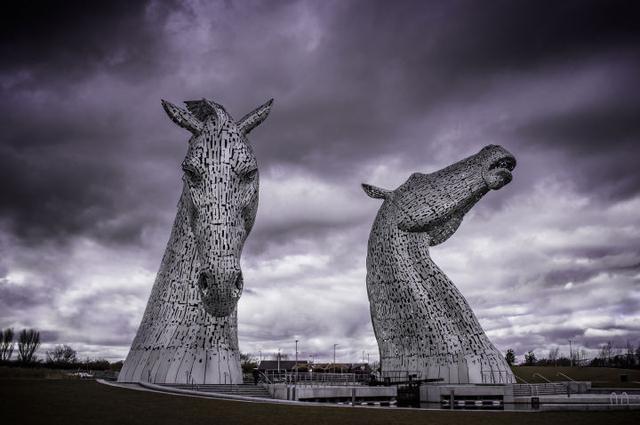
point(375, 192)
point(181, 117)
point(254, 118)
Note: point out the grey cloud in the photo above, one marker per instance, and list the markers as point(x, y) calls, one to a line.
point(19, 297)
point(87, 154)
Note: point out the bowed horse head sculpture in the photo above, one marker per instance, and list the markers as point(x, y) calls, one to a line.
point(422, 322)
point(221, 188)
point(438, 201)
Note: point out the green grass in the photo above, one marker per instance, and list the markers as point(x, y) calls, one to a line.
point(51, 402)
point(33, 373)
point(599, 376)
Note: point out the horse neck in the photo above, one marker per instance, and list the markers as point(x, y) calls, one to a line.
point(181, 249)
point(393, 249)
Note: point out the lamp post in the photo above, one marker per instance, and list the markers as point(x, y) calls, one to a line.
point(334, 356)
point(278, 361)
point(296, 360)
point(570, 354)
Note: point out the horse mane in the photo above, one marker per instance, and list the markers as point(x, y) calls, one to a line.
point(202, 109)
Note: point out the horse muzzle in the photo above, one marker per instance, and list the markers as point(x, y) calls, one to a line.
point(220, 292)
point(498, 171)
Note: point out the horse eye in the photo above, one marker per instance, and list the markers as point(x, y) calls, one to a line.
point(251, 174)
point(191, 174)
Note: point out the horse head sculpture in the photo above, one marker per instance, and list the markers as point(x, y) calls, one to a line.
point(221, 187)
point(422, 323)
point(189, 330)
point(436, 203)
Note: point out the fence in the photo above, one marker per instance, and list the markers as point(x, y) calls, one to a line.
point(526, 390)
point(314, 378)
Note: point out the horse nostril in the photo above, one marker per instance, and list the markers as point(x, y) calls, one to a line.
point(239, 282)
point(203, 281)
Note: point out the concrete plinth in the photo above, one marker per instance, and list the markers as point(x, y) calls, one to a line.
point(331, 393)
point(434, 393)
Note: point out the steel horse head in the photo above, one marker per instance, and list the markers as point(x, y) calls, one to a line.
point(221, 188)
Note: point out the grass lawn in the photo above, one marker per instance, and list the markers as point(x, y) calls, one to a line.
point(50, 402)
point(599, 376)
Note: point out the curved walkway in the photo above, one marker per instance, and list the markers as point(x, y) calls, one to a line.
point(147, 386)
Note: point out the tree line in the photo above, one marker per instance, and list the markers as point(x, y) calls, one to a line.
point(60, 357)
point(627, 357)
point(65, 357)
point(28, 343)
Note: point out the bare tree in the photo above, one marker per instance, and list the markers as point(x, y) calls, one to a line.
point(530, 358)
point(510, 357)
point(605, 352)
point(581, 356)
point(629, 355)
point(28, 343)
point(6, 344)
point(554, 354)
point(62, 354)
point(248, 362)
point(616, 351)
point(247, 358)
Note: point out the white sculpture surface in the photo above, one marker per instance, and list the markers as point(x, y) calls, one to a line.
point(188, 332)
point(422, 323)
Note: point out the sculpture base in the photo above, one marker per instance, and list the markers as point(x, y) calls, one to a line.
point(441, 395)
point(182, 366)
point(451, 370)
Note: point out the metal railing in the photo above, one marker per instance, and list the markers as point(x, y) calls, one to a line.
point(539, 375)
point(565, 376)
point(400, 376)
point(622, 400)
point(522, 379)
point(314, 378)
point(553, 388)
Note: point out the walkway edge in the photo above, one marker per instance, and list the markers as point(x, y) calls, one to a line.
point(146, 386)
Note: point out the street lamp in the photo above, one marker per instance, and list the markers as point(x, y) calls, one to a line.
point(570, 354)
point(334, 356)
point(296, 360)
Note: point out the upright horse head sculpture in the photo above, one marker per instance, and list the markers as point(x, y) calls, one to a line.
point(189, 329)
point(422, 322)
point(221, 189)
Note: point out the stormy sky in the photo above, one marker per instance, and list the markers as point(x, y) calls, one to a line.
point(365, 91)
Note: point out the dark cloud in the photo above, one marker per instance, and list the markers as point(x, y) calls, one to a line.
point(364, 91)
point(55, 41)
point(508, 35)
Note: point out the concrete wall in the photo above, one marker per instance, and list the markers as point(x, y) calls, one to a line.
point(580, 387)
point(432, 393)
point(312, 392)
